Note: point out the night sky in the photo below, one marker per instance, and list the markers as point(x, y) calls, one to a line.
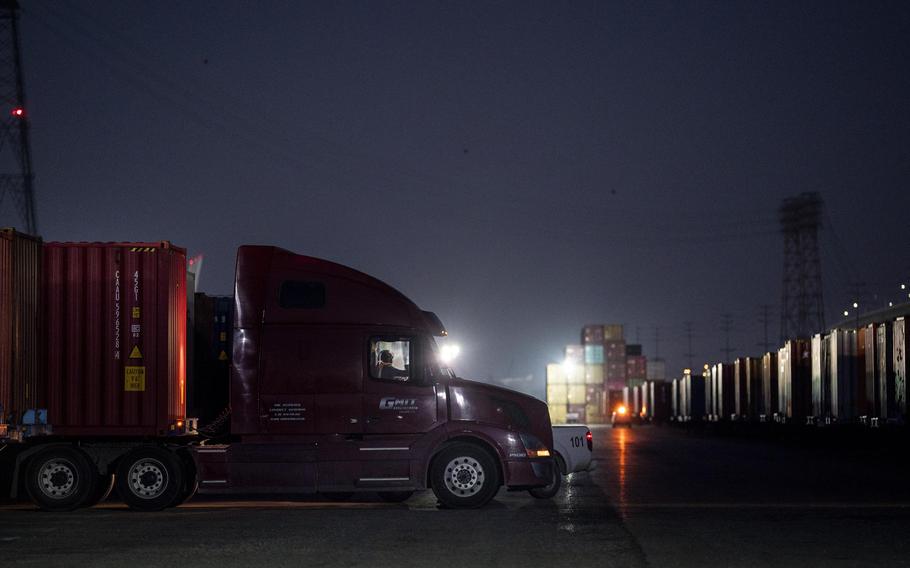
point(519, 168)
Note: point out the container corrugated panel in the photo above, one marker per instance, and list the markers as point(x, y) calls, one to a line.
point(899, 335)
point(885, 370)
point(636, 401)
point(871, 366)
point(6, 324)
point(821, 383)
point(115, 319)
point(861, 401)
point(594, 354)
point(21, 379)
point(555, 376)
point(575, 354)
point(636, 367)
point(662, 401)
point(615, 370)
point(557, 394)
point(615, 350)
point(841, 360)
point(795, 379)
point(711, 392)
point(674, 398)
point(592, 334)
point(726, 391)
point(594, 374)
point(557, 413)
point(769, 384)
point(576, 394)
point(612, 331)
point(575, 374)
point(594, 394)
point(740, 387)
point(754, 384)
point(783, 381)
point(696, 398)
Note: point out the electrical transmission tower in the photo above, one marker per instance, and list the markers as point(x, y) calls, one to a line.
point(16, 176)
point(802, 309)
point(687, 329)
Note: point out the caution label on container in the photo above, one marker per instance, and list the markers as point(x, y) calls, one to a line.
point(135, 353)
point(136, 312)
point(223, 356)
point(134, 379)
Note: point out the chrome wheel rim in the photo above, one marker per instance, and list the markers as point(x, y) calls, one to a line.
point(464, 476)
point(57, 478)
point(148, 478)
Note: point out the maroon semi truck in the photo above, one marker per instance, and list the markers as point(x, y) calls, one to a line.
point(335, 387)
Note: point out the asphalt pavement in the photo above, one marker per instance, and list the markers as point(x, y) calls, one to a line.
point(658, 496)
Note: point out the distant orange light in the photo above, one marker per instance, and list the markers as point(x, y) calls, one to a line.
point(621, 410)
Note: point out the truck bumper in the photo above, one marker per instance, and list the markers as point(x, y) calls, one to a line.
point(527, 473)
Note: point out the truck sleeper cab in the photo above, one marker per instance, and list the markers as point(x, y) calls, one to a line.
point(336, 387)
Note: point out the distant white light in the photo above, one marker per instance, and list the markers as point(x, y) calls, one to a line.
point(890, 304)
point(846, 313)
point(903, 286)
point(855, 305)
point(568, 367)
point(448, 352)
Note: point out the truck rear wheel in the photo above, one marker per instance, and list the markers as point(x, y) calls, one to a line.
point(103, 488)
point(60, 479)
point(150, 479)
point(464, 476)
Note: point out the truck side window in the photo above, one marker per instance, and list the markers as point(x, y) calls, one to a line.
point(390, 358)
point(300, 294)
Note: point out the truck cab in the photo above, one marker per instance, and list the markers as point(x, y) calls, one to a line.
point(336, 386)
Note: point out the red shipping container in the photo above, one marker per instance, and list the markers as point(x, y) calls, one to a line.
point(115, 323)
point(20, 343)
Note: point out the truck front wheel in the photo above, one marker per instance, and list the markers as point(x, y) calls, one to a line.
point(60, 479)
point(464, 476)
point(150, 479)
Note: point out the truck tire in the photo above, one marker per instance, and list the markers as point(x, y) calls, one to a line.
point(395, 496)
point(464, 476)
point(190, 481)
point(190, 487)
point(60, 479)
point(150, 479)
point(105, 484)
point(548, 491)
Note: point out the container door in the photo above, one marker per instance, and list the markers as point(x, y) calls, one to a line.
point(399, 407)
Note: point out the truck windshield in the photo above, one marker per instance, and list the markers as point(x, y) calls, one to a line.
point(436, 369)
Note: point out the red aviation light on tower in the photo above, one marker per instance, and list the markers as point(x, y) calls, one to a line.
point(18, 112)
